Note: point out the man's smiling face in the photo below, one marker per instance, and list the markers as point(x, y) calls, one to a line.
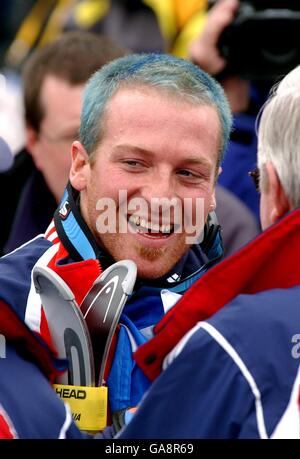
point(154, 146)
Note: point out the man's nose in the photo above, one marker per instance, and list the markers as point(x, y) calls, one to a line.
point(159, 185)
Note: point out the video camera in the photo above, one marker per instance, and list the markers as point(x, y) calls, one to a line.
point(262, 43)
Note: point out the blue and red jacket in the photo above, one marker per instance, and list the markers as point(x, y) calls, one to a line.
point(230, 349)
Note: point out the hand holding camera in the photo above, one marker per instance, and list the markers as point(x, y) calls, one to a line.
point(255, 39)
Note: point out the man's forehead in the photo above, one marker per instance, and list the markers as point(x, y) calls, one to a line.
point(136, 102)
point(128, 96)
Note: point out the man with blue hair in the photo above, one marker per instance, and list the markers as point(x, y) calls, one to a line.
point(142, 187)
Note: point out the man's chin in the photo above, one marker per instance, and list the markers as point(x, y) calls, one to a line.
point(152, 262)
point(150, 253)
point(153, 268)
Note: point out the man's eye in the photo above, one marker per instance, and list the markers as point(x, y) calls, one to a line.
point(131, 163)
point(187, 173)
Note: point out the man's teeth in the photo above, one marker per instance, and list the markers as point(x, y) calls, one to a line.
point(148, 226)
point(165, 228)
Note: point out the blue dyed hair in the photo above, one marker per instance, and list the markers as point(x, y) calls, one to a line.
point(161, 71)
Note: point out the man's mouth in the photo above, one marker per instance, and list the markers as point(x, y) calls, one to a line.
point(142, 225)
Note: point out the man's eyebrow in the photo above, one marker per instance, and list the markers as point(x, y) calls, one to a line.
point(132, 148)
point(197, 161)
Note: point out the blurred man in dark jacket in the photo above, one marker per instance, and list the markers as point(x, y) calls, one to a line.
point(53, 79)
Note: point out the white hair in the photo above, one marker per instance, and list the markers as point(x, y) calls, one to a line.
point(279, 135)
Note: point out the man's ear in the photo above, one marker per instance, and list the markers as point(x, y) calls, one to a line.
point(279, 201)
point(80, 167)
point(32, 139)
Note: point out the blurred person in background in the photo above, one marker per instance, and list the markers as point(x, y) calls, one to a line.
point(53, 80)
point(24, 27)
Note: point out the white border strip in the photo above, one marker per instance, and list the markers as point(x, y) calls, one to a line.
point(52, 236)
point(67, 423)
